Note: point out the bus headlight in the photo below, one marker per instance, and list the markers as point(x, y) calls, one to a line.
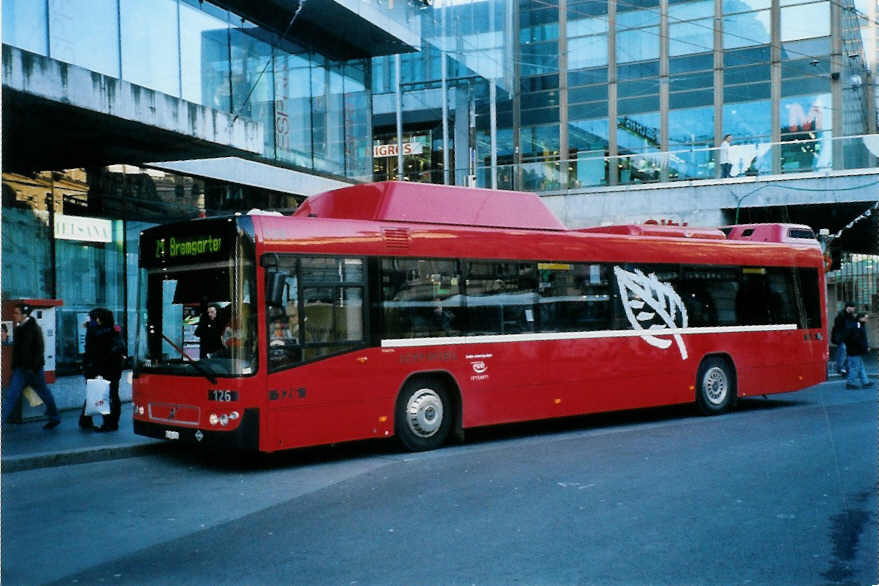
point(213, 419)
point(224, 420)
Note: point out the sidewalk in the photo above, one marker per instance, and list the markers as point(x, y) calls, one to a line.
point(27, 445)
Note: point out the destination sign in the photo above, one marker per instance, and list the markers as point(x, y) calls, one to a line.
point(188, 247)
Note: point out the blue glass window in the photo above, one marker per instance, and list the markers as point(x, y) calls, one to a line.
point(638, 133)
point(691, 37)
point(744, 30)
point(691, 127)
point(748, 120)
point(690, 10)
point(24, 25)
point(587, 52)
point(637, 45)
point(150, 44)
point(805, 21)
point(293, 108)
point(85, 33)
point(252, 84)
point(204, 58)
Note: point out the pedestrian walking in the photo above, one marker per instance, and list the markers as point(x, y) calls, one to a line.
point(104, 353)
point(27, 365)
point(845, 320)
point(857, 346)
point(210, 332)
point(723, 156)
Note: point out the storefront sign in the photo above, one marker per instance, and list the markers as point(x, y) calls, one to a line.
point(390, 150)
point(83, 229)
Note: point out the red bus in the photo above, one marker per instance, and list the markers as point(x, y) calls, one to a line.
point(418, 311)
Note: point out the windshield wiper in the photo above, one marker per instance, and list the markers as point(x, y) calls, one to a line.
point(204, 370)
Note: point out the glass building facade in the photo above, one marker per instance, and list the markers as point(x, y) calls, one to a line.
point(566, 94)
point(314, 111)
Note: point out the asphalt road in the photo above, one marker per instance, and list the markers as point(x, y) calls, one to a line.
point(782, 491)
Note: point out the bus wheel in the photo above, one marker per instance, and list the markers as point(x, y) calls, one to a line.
point(715, 386)
point(424, 415)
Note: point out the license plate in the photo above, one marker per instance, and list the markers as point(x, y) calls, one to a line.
point(172, 434)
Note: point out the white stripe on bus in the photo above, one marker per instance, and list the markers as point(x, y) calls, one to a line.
point(541, 337)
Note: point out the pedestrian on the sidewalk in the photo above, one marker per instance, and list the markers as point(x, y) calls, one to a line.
point(857, 346)
point(104, 353)
point(845, 320)
point(27, 365)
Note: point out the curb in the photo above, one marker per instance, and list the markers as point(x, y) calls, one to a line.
point(81, 456)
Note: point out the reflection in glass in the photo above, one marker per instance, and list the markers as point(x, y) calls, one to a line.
point(252, 80)
point(204, 58)
point(690, 10)
point(805, 21)
point(293, 108)
point(85, 33)
point(748, 119)
point(691, 37)
point(587, 140)
point(637, 45)
point(638, 133)
point(693, 128)
point(744, 30)
point(587, 52)
point(149, 47)
point(730, 6)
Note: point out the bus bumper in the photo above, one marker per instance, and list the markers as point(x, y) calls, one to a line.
point(244, 437)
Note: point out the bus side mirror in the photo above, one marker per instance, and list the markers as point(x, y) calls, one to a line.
point(276, 281)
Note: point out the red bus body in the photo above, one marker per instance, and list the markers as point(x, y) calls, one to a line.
point(493, 379)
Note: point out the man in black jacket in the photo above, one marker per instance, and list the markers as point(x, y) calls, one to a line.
point(27, 365)
point(856, 342)
point(845, 320)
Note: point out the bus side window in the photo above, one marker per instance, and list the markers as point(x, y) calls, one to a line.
point(283, 322)
point(574, 297)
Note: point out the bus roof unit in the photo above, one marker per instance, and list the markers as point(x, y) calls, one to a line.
point(423, 203)
point(657, 230)
point(797, 234)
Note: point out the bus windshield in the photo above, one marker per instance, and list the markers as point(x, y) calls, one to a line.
point(200, 317)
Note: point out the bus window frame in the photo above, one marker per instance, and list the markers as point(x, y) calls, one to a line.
point(276, 259)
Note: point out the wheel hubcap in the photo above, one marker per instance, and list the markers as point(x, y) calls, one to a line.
point(716, 385)
point(424, 412)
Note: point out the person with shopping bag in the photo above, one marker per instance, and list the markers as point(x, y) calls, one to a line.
point(104, 354)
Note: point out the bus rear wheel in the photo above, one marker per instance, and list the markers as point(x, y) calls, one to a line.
point(424, 415)
point(715, 386)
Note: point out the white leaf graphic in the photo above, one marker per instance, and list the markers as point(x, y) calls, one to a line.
point(638, 290)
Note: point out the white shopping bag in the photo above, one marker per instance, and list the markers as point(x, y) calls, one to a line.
point(97, 396)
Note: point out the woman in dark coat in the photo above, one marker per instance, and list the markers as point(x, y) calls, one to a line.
point(104, 351)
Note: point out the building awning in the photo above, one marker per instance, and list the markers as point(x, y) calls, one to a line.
point(338, 29)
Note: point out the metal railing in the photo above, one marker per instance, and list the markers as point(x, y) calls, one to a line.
point(814, 152)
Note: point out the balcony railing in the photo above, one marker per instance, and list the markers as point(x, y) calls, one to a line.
point(798, 155)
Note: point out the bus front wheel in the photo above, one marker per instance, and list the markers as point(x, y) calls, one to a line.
point(715, 386)
point(424, 415)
